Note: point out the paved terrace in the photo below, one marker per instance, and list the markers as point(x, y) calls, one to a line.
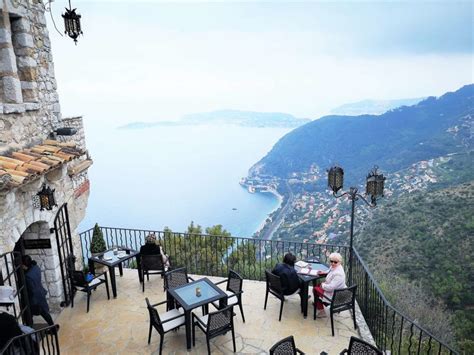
point(119, 326)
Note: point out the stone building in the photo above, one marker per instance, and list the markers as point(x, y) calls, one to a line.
point(37, 148)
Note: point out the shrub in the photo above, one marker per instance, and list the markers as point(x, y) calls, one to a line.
point(97, 243)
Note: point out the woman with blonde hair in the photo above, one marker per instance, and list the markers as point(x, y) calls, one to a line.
point(335, 279)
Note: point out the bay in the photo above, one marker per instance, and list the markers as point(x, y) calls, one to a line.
point(169, 176)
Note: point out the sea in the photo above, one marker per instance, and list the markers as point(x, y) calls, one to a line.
point(168, 176)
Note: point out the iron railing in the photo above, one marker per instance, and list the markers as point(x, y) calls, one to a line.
point(214, 255)
point(42, 341)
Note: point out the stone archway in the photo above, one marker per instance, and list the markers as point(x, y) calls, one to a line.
point(47, 259)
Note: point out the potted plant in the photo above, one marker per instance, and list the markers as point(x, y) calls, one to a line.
point(97, 242)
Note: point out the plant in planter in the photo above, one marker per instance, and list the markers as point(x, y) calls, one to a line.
point(97, 246)
point(97, 242)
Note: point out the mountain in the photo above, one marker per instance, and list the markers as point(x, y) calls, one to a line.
point(246, 118)
point(233, 117)
point(373, 107)
point(434, 127)
point(426, 239)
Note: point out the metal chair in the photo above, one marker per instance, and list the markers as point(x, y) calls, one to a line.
point(233, 290)
point(359, 346)
point(80, 283)
point(165, 323)
point(342, 300)
point(151, 264)
point(285, 346)
point(215, 324)
point(276, 289)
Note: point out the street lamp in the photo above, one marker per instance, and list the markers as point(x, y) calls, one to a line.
point(373, 189)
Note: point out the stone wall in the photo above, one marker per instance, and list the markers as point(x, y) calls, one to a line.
point(29, 103)
point(29, 114)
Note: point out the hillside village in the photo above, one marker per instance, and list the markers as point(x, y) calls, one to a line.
point(314, 215)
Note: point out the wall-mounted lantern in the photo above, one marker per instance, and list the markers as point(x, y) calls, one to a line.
point(46, 198)
point(72, 23)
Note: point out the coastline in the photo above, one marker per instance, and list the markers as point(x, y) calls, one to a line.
point(280, 202)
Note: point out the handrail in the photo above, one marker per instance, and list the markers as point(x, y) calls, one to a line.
point(214, 255)
point(41, 341)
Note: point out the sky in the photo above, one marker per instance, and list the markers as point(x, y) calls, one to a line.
point(157, 60)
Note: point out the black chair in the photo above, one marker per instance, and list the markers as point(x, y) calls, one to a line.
point(165, 323)
point(151, 265)
point(359, 346)
point(285, 346)
point(80, 283)
point(342, 300)
point(215, 324)
point(233, 290)
point(175, 278)
point(276, 289)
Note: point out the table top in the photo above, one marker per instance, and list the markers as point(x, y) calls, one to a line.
point(312, 266)
point(186, 294)
point(109, 258)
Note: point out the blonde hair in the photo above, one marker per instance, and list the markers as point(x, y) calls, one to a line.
point(336, 256)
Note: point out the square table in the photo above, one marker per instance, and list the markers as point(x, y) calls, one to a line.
point(186, 297)
point(306, 279)
point(111, 260)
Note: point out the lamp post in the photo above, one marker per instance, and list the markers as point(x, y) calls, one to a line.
point(374, 189)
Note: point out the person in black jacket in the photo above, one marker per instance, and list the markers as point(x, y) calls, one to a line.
point(287, 273)
point(36, 291)
point(9, 328)
point(152, 248)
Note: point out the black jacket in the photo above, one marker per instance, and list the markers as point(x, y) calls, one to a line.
point(288, 277)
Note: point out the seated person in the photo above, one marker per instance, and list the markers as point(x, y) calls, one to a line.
point(151, 247)
point(335, 279)
point(287, 273)
point(9, 328)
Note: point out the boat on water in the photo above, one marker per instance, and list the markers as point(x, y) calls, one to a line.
point(251, 189)
point(234, 209)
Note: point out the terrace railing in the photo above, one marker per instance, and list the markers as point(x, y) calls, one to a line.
point(215, 255)
point(39, 342)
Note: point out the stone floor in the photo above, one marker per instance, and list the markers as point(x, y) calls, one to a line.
point(120, 326)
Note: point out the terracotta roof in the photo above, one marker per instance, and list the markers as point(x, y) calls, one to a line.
point(25, 165)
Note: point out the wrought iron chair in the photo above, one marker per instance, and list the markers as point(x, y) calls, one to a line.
point(80, 283)
point(285, 346)
point(175, 278)
point(233, 290)
point(359, 346)
point(276, 289)
point(342, 300)
point(215, 324)
point(165, 323)
point(151, 265)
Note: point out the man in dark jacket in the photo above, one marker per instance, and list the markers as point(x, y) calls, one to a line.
point(287, 273)
point(36, 291)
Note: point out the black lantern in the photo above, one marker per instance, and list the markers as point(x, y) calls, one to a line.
point(46, 198)
point(72, 23)
point(335, 178)
point(375, 185)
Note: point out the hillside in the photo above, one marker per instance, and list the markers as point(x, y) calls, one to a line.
point(373, 107)
point(428, 239)
point(393, 141)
